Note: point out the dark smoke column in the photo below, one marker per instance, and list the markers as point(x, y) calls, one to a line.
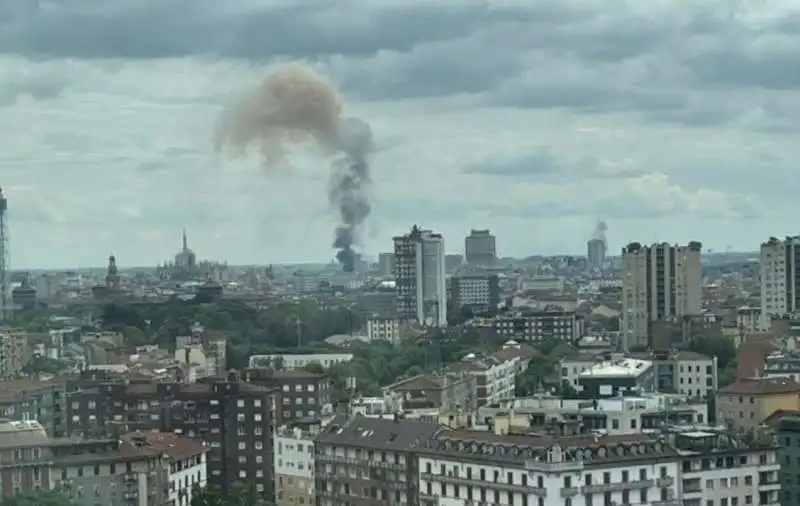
point(294, 105)
point(348, 188)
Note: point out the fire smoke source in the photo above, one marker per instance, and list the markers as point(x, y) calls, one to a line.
point(294, 105)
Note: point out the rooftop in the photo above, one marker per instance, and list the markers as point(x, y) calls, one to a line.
point(549, 449)
point(630, 367)
point(762, 386)
point(160, 443)
point(397, 435)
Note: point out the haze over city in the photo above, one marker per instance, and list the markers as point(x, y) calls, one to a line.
point(671, 121)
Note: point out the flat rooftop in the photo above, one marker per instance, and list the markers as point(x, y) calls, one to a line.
point(624, 367)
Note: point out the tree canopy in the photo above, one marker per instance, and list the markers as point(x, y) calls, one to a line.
point(238, 495)
point(296, 325)
point(40, 498)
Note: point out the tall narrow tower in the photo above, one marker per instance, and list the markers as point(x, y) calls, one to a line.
point(5, 291)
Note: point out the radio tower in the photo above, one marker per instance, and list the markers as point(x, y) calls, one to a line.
point(5, 304)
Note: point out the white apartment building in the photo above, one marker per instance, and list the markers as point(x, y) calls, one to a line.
point(465, 468)
point(780, 267)
point(383, 329)
point(420, 277)
point(717, 469)
point(187, 471)
point(294, 464)
point(290, 362)
point(660, 282)
point(495, 375)
point(620, 415)
point(697, 374)
point(749, 318)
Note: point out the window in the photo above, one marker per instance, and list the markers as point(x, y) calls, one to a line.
point(240, 403)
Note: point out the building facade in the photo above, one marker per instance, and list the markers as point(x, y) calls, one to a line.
point(744, 405)
point(718, 468)
point(294, 463)
point(780, 277)
point(477, 292)
point(232, 415)
point(420, 277)
point(660, 282)
point(480, 248)
point(596, 252)
point(383, 329)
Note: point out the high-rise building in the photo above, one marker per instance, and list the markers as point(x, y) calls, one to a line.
point(386, 264)
point(780, 277)
point(480, 248)
point(596, 252)
point(660, 282)
point(420, 277)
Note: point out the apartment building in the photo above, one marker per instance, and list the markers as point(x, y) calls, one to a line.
point(450, 392)
point(476, 292)
point(233, 416)
point(780, 271)
point(480, 248)
point(293, 361)
point(420, 277)
point(134, 469)
point(40, 400)
point(618, 415)
point(495, 375)
point(660, 282)
point(745, 404)
point(383, 329)
point(467, 467)
point(15, 352)
point(788, 439)
point(533, 326)
point(369, 462)
point(720, 469)
point(619, 377)
point(299, 394)
point(294, 463)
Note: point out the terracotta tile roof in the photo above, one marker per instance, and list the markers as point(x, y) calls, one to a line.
point(762, 386)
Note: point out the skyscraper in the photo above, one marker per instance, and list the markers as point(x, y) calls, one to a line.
point(596, 252)
point(660, 282)
point(480, 248)
point(420, 277)
point(780, 277)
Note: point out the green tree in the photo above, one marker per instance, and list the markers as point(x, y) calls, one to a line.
point(41, 498)
point(239, 495)
point(38, 365)
point(314, 368)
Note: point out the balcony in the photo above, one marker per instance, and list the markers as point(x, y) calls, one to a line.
point(611, 487)
point(665, 481)
point(569, 492)
point(508, 487)
point(668, 502)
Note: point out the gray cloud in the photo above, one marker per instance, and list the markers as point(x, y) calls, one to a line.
point(252, 30)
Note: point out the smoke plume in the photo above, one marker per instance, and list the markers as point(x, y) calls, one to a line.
point(600, 230)
point(294, 105)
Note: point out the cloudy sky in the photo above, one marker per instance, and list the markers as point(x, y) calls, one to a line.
point(672, 120)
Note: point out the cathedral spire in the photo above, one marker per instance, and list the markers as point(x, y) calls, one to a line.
point(185, 241)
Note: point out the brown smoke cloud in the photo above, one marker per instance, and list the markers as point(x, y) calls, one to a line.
point(293, 105)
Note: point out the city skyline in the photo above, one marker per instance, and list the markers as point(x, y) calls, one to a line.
point(105, 148)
